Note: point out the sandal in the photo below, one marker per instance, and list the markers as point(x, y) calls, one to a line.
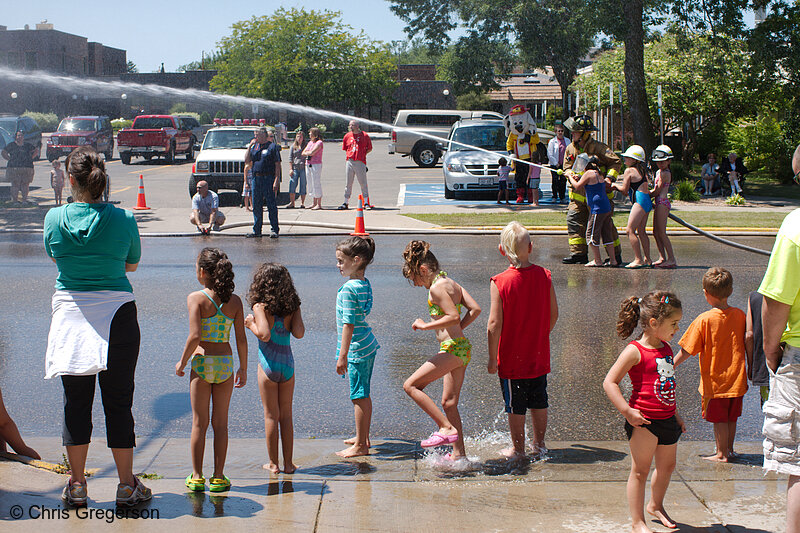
point(437, 439)
point(195, 484)
point(216, 484)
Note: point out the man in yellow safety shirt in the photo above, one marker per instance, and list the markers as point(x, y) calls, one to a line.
point(578, 212)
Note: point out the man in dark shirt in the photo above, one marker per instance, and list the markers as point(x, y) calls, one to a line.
point(20, 166)
point(265, 156)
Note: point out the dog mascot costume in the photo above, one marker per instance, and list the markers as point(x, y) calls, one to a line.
point(521, 143)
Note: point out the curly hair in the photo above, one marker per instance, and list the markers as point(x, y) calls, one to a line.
point(216, 264)
point(363, 247)
point(272, 286)
point(416, 254)
point(656, 304)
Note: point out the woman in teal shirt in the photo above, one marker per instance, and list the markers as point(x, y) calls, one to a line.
point(94, 329)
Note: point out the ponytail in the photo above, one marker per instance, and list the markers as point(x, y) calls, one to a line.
point(219, 268)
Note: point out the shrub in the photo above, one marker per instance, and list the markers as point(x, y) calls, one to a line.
point(205, 118)
point(177, 109)
point(237, 115)
point(678, 171)
point(119, 123)
point(46, 121)
point(684, 191)
point(736, 199)
point(761, 142)
point(474, 101)
point(220, 114)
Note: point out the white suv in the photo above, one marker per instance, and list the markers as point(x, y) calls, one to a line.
point(221, 158)
point(437, 122)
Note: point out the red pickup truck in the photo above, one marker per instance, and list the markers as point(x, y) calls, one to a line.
point(155, 136)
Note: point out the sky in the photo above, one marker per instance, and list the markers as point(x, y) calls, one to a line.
point(174, 32)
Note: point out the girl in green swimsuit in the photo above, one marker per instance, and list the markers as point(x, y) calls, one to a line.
point(212, 312)
point(445, 301)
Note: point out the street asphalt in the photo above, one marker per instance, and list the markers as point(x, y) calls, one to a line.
point(580, 487)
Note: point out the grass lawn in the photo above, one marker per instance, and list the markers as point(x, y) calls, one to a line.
point(708, 219)
point(759, 183)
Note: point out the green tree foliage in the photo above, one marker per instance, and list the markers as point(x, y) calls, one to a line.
point(178, 108)
point(306, 57)
point(131, 67)
point(704, 80)
point(474, 101)
point(205, 118)
point(762, 141)
point(46, 121)
point(472, 62)
point(220, 114)
point(414, 52)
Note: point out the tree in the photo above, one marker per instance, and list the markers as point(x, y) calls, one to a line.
point(556, 33)
point(474, 101)
point(414, 52)
point(131, 68)
point(306, 57)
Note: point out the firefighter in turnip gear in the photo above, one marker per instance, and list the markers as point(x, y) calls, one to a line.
point(521, 143)
point(578, 212)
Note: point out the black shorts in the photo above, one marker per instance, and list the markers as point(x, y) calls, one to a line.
point(502, 185)
point(668, 430)
point(523, 394)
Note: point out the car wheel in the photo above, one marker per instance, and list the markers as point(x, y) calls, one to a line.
point(125, 158)
point(192, 186)
point(169, 156)
point(190, 151)
point(450, 194)
point(426, 155)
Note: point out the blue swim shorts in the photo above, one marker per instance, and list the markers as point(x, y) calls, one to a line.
point(360, 374)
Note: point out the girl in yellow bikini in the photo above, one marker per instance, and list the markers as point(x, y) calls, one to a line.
point(446, 298)
point(212, 312)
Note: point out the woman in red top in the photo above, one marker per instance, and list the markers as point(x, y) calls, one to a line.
point(651, 422)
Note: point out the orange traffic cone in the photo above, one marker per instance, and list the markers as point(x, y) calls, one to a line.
point(360, 230)
point(140, 202)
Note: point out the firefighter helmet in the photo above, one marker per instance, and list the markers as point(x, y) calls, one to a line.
point(662, 153)
point(580, 123)
point(635, 152)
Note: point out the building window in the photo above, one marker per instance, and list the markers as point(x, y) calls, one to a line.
point(30, 60)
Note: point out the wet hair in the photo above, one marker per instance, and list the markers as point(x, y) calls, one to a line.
point(416, 254)
point(656, 304)
point(89, 171)
point(217, 266)
point(273, 286)
point(314, 132)
point(641, 168)
point(718, 282)
point(502, 161)
point(354, 246)
point(510, 238)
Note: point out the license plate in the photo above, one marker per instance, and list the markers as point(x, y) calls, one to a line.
point(485, 181)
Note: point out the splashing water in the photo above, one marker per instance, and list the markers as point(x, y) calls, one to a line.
point(115, 89)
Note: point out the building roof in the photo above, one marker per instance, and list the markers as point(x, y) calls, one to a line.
point(539, 84)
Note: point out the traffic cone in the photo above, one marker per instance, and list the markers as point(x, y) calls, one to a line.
point(360, 230)
point(140, 202)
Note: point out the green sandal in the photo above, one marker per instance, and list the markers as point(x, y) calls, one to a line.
point(195, 484)
point(216, 484)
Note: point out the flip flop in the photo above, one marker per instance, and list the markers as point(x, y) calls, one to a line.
point(216, 484)
point(437, 439)
point(195, 484)
point(634, 267)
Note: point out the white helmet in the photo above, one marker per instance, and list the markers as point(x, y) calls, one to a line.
point(635, 152)
point(662, 153)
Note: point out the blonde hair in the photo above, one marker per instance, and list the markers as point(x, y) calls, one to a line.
point(510, 238)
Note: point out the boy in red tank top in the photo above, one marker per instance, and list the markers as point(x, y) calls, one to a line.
point(524, 311)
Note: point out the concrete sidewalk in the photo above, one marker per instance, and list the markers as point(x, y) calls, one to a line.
point(580, 487)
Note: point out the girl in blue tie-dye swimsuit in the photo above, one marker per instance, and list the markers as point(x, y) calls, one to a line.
point(276, 316)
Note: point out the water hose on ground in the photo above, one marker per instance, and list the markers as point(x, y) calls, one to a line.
point(719, 239)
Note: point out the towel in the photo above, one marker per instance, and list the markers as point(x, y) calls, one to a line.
point(77, 344)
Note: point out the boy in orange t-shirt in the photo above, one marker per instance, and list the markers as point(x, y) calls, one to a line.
point(718, 337)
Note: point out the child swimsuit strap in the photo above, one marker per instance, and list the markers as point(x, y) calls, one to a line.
point(219, 309)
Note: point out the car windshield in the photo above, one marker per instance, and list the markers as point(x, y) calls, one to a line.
point(490, 137)
point(152, 123)
point(221, 139)
point(8, 124)
point(5, 138)
point(85, 124)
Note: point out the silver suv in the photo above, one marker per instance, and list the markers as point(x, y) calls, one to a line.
point(437, 122)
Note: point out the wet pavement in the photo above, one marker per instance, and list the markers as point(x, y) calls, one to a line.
point(584, 344)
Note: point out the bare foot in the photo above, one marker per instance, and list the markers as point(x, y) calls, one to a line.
point(657, 262)
point(289, 469)
point(353, 451)
point(539, 450)
point(665, 264)
point(352, 440)
point(717, 457)
point(641, 528)
point(592, 264)
point(29, 452)
point(272, 467)
point(661, 515)
point(512, 453)
point(634, 264)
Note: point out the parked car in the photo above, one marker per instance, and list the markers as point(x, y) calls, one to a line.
point(470, 170)
point(5, 139)
point(33, 133)
point(221, 158)
point(94, 131)
point(437, 122)
point(191, 123)
point(155, 136)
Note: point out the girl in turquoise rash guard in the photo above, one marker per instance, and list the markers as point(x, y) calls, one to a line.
point(276, 316)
